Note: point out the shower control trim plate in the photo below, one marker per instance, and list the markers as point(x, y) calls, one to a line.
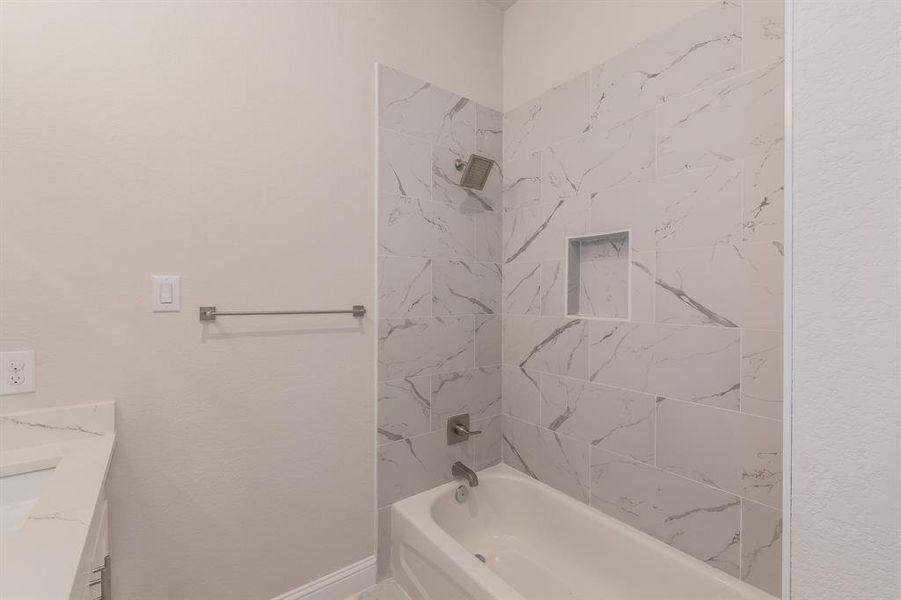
point(458, 429)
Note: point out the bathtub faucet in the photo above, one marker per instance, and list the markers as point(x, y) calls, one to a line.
point(461, 470)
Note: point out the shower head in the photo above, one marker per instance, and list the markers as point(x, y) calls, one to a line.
point(475, 171)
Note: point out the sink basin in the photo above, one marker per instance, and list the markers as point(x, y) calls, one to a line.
point(18, 495)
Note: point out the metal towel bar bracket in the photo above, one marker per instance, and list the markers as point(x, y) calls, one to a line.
point(209, 313)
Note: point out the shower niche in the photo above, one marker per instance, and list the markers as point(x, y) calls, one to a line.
point(597, 276)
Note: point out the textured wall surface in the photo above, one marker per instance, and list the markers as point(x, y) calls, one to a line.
point(231, 143)
point(846, 458)
point(670, 419)
point(439, 288)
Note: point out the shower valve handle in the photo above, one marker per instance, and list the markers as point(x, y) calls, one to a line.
point(459, 429)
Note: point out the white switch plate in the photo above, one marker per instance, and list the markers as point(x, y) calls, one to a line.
point(16, 372)
point(166, 293)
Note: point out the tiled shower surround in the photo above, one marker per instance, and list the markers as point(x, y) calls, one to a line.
point(668, 419)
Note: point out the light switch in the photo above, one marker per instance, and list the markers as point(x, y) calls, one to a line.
point(166, 293)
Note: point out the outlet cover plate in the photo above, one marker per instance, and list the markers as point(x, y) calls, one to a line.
point(17, 372)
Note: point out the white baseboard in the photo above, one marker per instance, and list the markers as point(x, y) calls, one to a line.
point(338, 585)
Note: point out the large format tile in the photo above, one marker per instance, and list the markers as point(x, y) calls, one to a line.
point(473, 391)
point(488, 340)
point(549, 344)
point(410, 227)
point(761, 547)
point(692, 517)
point(404, 166)
point(553, 281)
point(403, 408)
point(700, 50)
point(761, 373)
point(446, 184)
point(522, 288)
point(538, 232)
point(487, 445)
point(604, 277)
point(643, 286)
point(618, 420)
point(763, 199)
point(522, 182)
point(699, 364)
point(489, 236)
point(424, 345)
point(722, 123)
point(557, 114)
point(489, 133)
point(729, 286)
point(557, 460)
point(417, 108)
point(417, 464)
point(763, 32)
point(733, 451)
point(521, 394)
point(599, 159)
point(404, 286)
point(465, 287)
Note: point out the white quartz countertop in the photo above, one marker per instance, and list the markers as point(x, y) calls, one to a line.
point(41, 560)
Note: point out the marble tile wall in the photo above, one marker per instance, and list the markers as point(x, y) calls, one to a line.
point(439, 289)
point(669, 420)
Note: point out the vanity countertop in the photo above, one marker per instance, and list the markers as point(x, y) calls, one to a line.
point(41, 560)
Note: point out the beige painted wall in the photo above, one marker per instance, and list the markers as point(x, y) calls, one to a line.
point(233, 144)
point(548, 42)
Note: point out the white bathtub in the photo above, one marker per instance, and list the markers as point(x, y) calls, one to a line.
point(540, 545)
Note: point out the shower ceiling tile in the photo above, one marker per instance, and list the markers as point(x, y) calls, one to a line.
point(404, 166)
point(735, 452)
point(722, 123)
point(599, 159)
point(761, 373)
point(698, 364)
point(404, 286)
point(549, 344)
point(557, 114)
point(557, 460)
point(465, 287)
point(619, 420)
point(730, 286)
point(409, 227)
point(423, 346)
point(403, 408)
point(698, 51)
point(692, 517)
point(411, 106)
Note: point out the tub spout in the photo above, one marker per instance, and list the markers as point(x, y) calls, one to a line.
point(461, 470)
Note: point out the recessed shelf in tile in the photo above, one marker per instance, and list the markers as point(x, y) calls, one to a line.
point(598, 276)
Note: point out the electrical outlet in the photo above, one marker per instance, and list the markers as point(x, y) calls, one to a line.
point(16, 372)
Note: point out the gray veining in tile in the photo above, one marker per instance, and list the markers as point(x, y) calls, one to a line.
point(698, 364)
point(404, 286)
point(549, 344)
point(473, 391)
point(552, 284)
point(722, 123)
point(446, 184)
point(696, 52)
point(604, 276)
point(488, 340)
point(763, 32)
point(763, 204)
point(692, 517)
point(733, 451)
point(424, 345)
point(538, 232)
point(728, 286)
point(489, 133)
point(618, 420)
point(557, 114)
point(422, 110)
point(404, 166)
point(489, 233)
point(522, 288)
point(487, 445)
point(554, 459)
point(761, 547)
point(465, 287)
point(643, 284)
point(403, 408)
point(599, 159)
point(410, 227)
point(522, 182)
point(521, 394)
point(761, 373)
